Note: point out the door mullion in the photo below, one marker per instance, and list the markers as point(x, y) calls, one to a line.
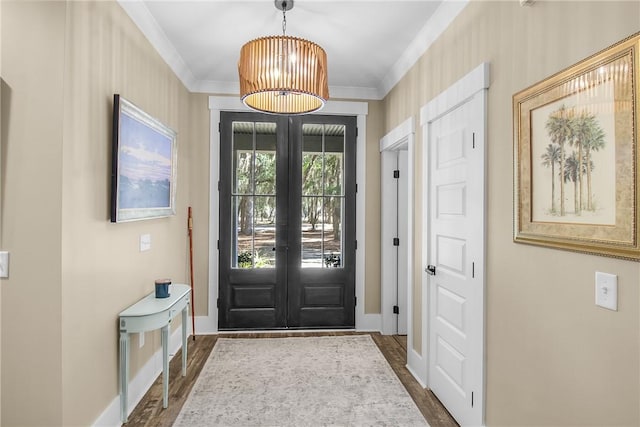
point(282, 219)
point(294, 198)
point(224, 246)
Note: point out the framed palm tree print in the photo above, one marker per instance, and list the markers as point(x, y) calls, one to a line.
point(576, 156)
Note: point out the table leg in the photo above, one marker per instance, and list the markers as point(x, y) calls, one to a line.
point(124, 376)
point(184, 340)
point(165, 366)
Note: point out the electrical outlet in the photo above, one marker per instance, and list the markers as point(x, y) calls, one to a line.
point(140, 339)
point(4, 264)
point(607, 290)
point(145, 242)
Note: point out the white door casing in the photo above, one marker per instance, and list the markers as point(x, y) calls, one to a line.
point(208, 324)
point(403, 251)
point(398, 142)
point(393, 266)
point(454, 243)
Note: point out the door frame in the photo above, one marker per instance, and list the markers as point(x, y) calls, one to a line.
point(400, 138)
point(208, 324)
point(475, 83)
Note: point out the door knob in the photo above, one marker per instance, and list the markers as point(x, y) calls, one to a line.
point(431, 269)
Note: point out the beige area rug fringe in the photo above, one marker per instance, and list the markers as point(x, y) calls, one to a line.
point(298, 381)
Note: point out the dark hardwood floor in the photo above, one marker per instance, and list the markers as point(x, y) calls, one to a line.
point(149, 411)
point(402, 340)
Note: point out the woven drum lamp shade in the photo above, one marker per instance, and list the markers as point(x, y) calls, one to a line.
point(283, 75)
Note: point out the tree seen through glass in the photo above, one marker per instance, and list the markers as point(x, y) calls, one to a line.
point(254, 195)
point(322, 195)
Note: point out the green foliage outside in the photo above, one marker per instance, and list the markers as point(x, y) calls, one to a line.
point(255, 185)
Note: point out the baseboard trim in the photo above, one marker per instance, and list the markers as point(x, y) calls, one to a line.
point(206, 325)
point(369, 322)
point(278, 331)
point(139, 385)
point(417, 366)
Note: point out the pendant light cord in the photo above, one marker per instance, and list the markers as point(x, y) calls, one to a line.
point(284, 18)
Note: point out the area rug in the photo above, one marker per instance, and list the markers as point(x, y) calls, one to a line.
point(298, 381)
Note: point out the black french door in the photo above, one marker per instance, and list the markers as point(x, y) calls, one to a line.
point(287, 221)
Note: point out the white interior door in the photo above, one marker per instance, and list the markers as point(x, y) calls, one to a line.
point(456, 260)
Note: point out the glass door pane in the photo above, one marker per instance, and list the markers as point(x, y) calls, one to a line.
point(253, 195)
point(322, 195)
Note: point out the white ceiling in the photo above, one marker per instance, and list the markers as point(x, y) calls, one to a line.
point(370, 44)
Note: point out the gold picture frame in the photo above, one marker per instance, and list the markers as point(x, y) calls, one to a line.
point(576, 156)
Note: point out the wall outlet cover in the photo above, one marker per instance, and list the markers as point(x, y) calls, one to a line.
point(145, 242)
point(4, 264)
point(607, 290)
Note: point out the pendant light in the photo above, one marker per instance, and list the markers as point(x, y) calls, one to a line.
point(283, 74)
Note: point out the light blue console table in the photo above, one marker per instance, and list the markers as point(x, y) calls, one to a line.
point(148, 314)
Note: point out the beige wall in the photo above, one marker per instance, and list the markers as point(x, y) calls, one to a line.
point(1, 181)
point(199, 198)
point(375, 131)
point(72, 270)
point(31, 192)
point(553, 357)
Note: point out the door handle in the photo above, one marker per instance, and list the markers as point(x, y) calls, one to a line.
point(431, 270)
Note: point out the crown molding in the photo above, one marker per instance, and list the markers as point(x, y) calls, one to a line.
point(348, 92)
point(435, 26)
point(216, 86)
point(144, 20)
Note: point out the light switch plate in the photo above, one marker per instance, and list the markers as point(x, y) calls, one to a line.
point(4, 264)
point(145, 242)
point(607, 290)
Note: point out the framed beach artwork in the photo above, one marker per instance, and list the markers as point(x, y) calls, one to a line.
point(143, 173)
point(576, 156)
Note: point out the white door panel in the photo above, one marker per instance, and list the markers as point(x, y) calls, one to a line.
point(450, 365)
point(456, 239)
point(451, 200)
point(450, 309)
point(450, 252)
